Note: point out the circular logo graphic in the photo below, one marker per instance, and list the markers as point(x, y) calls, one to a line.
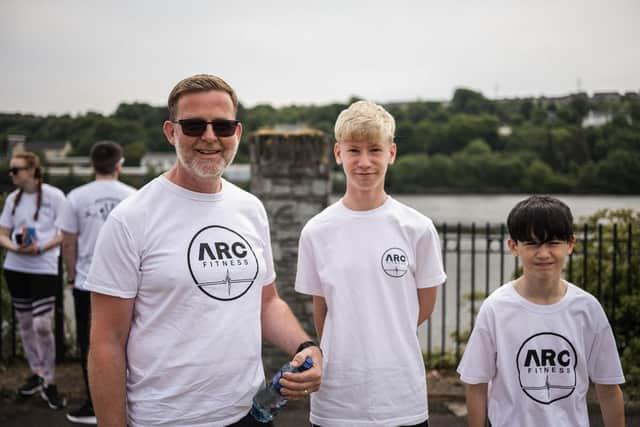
point(547, 367)
point(222, 263)
point(395, 262)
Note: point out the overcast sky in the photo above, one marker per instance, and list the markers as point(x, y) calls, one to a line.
point(74, 56)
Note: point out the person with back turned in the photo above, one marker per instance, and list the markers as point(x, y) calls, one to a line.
point(82, 218)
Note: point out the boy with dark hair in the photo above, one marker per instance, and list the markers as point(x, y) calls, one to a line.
point(539, 339)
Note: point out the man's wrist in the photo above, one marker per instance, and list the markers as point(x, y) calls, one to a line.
point(307, 344)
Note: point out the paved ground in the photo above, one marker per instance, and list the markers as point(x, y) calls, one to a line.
point(445, 398)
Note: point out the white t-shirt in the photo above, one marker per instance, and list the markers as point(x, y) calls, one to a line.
point(368, 266)
point(50, 208)
point(85, 212)
point(195, 264)
point(537, 359)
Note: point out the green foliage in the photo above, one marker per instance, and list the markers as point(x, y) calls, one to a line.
point(437, 360)
point(619, 291)
point(470, 102)
point(5, 304)
point(545, 147)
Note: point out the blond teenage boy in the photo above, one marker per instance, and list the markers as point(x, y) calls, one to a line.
point(373, 267)
point(539, 339)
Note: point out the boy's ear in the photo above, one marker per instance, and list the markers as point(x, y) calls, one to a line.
point(513, 247)
point(572, 243)
point(392, 152)
point(336, 153)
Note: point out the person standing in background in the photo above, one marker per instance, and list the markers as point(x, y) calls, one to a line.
point(82, 218)
point(32, 240)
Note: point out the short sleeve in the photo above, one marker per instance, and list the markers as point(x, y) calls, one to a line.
point(67, 220)
point(603, 360)
point(270, 275)
point(60, 200)
point(6, 220)
point(478, 364)
point(429, 269)
point(115, 268)
point(307, 279)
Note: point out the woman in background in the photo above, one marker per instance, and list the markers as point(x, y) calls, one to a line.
point(28, 232)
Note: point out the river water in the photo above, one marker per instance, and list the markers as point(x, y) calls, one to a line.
point(467, 209)
point(494, 208)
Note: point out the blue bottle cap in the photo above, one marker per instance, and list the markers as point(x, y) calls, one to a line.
point(308, 362)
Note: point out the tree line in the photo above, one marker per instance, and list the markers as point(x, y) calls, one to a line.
point(467, 144)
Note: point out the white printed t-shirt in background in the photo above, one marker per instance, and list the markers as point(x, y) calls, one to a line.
point(85, 212)
point(50, 208)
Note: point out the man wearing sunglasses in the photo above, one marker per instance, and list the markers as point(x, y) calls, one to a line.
point(183, 285)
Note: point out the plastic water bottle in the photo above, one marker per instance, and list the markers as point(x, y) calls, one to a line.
point(268, 401)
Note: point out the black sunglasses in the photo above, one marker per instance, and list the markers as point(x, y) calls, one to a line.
point(196, 127)
point(14, 170)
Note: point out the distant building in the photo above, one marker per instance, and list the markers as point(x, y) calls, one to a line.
point(596, 119)
point(51, 151)
point(504, 130)
point(15, 141)
point(606, 97)
point(158, 161)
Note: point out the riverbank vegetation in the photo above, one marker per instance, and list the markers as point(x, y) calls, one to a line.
point(572, 144)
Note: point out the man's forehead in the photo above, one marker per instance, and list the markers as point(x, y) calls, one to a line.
point(205, 96)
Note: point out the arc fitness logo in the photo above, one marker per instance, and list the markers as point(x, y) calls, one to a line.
point(222, 263)
point(395, 262)
point(547, 367)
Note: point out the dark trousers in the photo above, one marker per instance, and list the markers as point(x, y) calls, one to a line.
point(82, 305)
point(249, 421)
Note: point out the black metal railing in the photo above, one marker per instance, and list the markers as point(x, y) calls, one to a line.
point(605, 262)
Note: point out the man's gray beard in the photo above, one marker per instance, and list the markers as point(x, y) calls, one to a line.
point(196, 170)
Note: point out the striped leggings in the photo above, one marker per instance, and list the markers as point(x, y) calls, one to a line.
point(33, 297)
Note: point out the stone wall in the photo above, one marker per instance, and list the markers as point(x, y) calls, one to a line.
point(290, 174)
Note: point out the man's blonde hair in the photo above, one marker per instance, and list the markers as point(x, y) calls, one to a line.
point(365, 121)
point(199, 83)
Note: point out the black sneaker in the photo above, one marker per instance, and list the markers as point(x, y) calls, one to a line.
point(52, 397)
point(31, 386)
point(83, 415)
